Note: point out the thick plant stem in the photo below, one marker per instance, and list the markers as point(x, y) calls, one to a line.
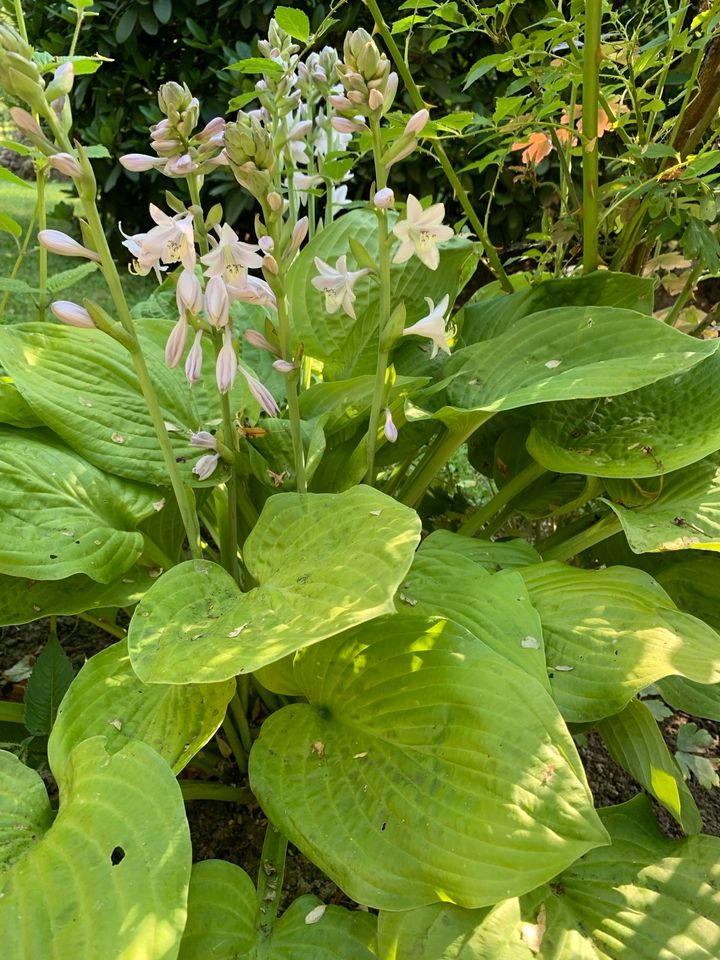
point(684, 295)
point(239, 716)
point(607, 527)
point(502, 498)
point(269, 887)
point(42, 252)
point(202, 790)
point(110, 628)
point(384, 318)
point(20, 20)
point(236, 746)
point(592, 55)
point(437, 148)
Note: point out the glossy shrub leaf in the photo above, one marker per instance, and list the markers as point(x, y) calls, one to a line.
point(322, 562)
point(634, 741)
point(46, 686)
point(81, 383)
point(609, 633)
point(24, 600)
point(446, 584)
point(348, 347)
point(61, 515)
point(109, 877)
point(678, 511)
point(492, 555)
point(423, 767)
point(222, 908)
point(443, 931)
point(642, 898)
point(643, 433)
point(107, 699)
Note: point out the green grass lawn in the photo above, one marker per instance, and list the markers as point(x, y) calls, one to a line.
point(19, 202)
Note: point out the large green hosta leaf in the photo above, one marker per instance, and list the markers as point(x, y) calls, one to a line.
point(609, 633)
point(109, 877)
point(60, 516)
point(424, 767)
point(107, 698)
point(24, 600)
point(346, 346)
point(634, 741)
point(81, 383)
point(222, 908)
point(677, 511)
point(13, 409)
point(643, 433)
point(489, 554)
point(322, 562)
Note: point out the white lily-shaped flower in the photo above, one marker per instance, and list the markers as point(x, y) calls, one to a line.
point(171, 241)
point(421, 232)
point(231, 258)
point(337, 285)
point(253, 290)
point(303, 182)
point(433, 326)
point(206, 465)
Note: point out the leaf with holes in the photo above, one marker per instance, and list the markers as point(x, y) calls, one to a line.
point(62, 516)
point(423, 767)
point(107, 699)
point(610, 633)
point(109, 876)
point(322, 562)
point(222, 905)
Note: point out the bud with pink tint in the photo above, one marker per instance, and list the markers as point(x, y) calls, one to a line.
point(344, 125)
point(58, 242)
point(375, 100)
point(180, 166)
point(283, 366)
point(204, 439)
point(72, 314)
point(211, 129)
point(188, 293)
point(175, 346)
point(271, 265)
point(25, 122)
point(261, 393)
point(416, 123)
point(298, 235)
point(390, 430)
point(340, 103)
point(140, 162)
point(266, 244)
point(300, 130)
point(384, 199)
point(193, 364)
point(256, 339)
point(65, 163)
point(227, 364)
point(217, 302)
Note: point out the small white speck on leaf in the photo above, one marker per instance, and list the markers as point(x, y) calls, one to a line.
point(116, 723)
point(83, 402)
point(118, 438)
point(171, 427)
point(158, 505)
point(316, 914)
point(375, 513)
point(36, 608)
point(408, 600)
point(98, 543)
point(551, 364)
point(318, 748)
point(530, 643)
point(155, 573)
point(237, 631)
point(359, 756)
point(564, 668)
point(127, 580)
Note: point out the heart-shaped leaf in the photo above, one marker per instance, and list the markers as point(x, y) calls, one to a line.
point(424, 767)
point(222, 909)
point(609, 633)
point(109, 877)
point(489, 554)
point(61, 516)
point(323, 563)
point(107, 699)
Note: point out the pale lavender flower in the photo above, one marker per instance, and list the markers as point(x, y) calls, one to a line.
point(189, 294)
point(140, 162)
point(390, 430)
point(337, 284)
point(227, 363)
point(217, 302)
point(340, 197)
point(416, 123)
point(384, 199)
point(256, 339)
point(283, 366)
point(421, 232)
point(230, 257)
point(65, 163)
point(204, 439)
point(260, 392)
point(58, 242)
point(72, 314)
point(298, 235)
point(205, 467)
point(193, 364)
point(303, 182)
point(266, 244)
point(301, 129)
point(433, 326)
point(254, 290)
point(175, 346)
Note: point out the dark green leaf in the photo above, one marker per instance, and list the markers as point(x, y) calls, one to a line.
point(51, 676)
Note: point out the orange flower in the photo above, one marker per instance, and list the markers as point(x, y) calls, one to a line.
point(535, 148)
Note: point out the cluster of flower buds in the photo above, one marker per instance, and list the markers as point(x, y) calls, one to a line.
point(179, 150)
point(365, 74)
point(19, 75)
point(317, 75)
point(251, 153)
point(278, 94)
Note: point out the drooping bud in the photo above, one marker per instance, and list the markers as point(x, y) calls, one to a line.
point(205, 467)
point(25, 122)
point(211, 129)
point(217, 302)
point(256, 339)
point(390, 430)
point(416, 123)
point(193, 364)
point(227, 363)
point(175, 346)
point(300, 130)
point(345, 125)
point(284, 366)
point(260, 392)
point(189, 292)
point(65, 163)
point(58, 242)
point(384, 199)
point(72, 314)
point(140, 162)
point(204, 439)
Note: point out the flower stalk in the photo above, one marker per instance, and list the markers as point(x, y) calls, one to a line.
point(592, 55)
point(269, 887)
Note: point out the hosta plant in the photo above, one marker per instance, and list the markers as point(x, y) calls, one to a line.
point(241, 467)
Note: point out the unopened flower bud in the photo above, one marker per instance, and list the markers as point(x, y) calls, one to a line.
point(345, 125)
point(298, 235)
point(375, 100)
point(266, 244)
point(193, 364)
point(204, 439)
point(260, 392)
point(340, 102)
point(180, 166)
point(58, 242)
point(217, 302)
point(72, 314)
point(205, 467)
point(61, 83)
point(384, 199)
point(227, 363)
point(399, 152)
point(300, 130)
point(275, 201)
point(256, 339)
point(416, 123)
point(65, 163)
point(189, 292)
point(390, 430)
point(173, 98)
point(175, 346)
point(271, 265)
point(283, 366)
point(211, 129)
point(25, 122)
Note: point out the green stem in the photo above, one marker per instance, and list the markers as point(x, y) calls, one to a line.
point(412, 88)
point(43, 254)
point(193, 182)
point(607, 527)
point(229, 545)
point(20, 20)
point(236, 746)
point(20, 257)
point(269, 887)
point(491, 528)
point(204, 790)
point(239, 715)
point(11, 712)
point(590, 90)
point(110, 628)
point(502, 498)
point(269, 699)
point(684, 294)
point(667, 63)
point(384, 317)
point(79, 15)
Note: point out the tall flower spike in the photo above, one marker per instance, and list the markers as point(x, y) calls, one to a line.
point(337, 284)
point(433, 326)
point(421, 232)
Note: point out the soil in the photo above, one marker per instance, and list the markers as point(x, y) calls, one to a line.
point(235, 832)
